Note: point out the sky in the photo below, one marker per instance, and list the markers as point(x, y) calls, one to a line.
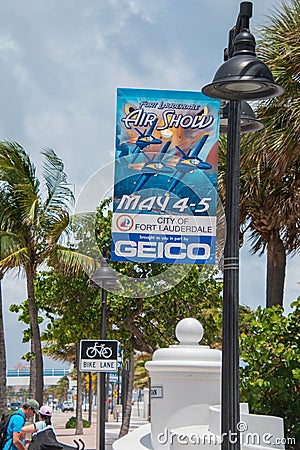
point(60, 65)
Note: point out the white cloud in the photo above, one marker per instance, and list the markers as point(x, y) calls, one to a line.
point(8, 47)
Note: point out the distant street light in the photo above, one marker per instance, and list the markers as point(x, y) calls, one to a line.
point(104, 277)
point(241, 77)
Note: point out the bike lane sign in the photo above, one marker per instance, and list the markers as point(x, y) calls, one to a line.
point(98, 356)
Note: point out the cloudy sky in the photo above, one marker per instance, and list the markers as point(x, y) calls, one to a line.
point(60, 65)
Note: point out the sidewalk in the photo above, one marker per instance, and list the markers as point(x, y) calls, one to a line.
point(112, 429)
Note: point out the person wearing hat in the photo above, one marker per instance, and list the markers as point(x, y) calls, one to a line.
point(14, 439)
point(44, 421)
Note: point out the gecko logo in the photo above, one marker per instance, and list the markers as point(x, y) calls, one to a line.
point(124, 222)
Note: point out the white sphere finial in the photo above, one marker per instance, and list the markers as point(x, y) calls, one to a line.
point(189, 331)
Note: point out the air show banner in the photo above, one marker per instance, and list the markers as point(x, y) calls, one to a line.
point(165, 190)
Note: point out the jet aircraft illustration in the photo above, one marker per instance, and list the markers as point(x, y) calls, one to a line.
point(145, 140)
point(153, 166)
point(189, 162)
point(167, 164)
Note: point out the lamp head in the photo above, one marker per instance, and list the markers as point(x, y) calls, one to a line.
point(249, 122)
point(244, 76)
point(104, 273)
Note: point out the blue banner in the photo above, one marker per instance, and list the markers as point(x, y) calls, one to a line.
point(166, 168)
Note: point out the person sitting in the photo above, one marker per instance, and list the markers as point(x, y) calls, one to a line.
point(44, 421)
point(43, 435)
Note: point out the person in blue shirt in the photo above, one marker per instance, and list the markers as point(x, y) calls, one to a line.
point(17, 421)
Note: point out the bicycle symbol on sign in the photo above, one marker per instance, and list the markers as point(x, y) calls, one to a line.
point(102, 351)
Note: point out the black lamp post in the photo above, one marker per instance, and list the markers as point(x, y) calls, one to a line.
point(241, 77)
point(105, 277)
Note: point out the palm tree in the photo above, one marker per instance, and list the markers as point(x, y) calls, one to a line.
point(32, 219)
point(127, 405)
point(271, 157)
point(270, 209)
point(3, 397)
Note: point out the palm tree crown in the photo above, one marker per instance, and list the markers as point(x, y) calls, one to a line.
point(32, 219)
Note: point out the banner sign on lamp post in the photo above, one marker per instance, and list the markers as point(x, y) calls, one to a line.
point(165, 190)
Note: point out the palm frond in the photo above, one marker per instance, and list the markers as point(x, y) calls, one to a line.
point(10, 244)
point(59, 192)
point(20, 187)
point(9, 219)
point(72, 262)
point(16, 166)
point(18, 258)
point(9, 241)
point(54, 224)
point(28, 202)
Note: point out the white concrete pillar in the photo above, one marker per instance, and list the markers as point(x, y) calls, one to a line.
point(185, 381)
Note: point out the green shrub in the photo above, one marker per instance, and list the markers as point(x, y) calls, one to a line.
point(72, 422)
point(270, 381)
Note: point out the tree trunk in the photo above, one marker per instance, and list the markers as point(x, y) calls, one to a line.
point(32, 380)
point(3, 398)
point(79, 423)
point(276, 264)
point(36, 374)
point(128, 403)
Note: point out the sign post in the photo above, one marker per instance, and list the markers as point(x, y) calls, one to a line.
point(99, 356)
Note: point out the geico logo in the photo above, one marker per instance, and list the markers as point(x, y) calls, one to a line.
point(176, 250)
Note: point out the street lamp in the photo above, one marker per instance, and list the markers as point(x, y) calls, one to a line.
point(249, 122)
point(241, 77)
point(105, 277)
